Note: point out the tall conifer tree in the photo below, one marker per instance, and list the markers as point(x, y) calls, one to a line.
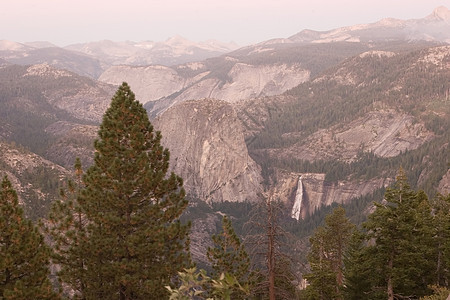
point(401, 256)
point(229, 256)
point(134, 242)
point(441, 221)
point(24, 256)
point(326, 257)
point(66, 226)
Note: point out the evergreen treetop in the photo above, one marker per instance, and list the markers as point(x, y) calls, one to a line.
point(133, 241)
point(24, 256)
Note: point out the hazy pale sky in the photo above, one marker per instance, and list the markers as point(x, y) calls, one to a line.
point(64, 22)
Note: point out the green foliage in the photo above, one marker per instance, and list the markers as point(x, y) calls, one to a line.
point(228, 256)
point(441, 234)
point(192, 285)
point(195, 284)
point(67, 227)
point(129, 241)
point(326, 257)
point(401, 230)
point(24, 256)
point(405, 248)
point(439, 293)
point(357, 272)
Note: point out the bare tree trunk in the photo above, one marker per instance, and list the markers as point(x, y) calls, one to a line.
point(271, 252)
point(390, 288)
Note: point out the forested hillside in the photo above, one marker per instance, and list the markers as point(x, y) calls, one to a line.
point(347, 122)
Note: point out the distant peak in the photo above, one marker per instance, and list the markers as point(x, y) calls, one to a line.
point(12, 46)
point(176, 38)
point(440, 13)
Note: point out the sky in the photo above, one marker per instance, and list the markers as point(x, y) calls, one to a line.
point(64, 22)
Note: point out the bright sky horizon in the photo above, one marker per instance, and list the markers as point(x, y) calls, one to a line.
point(64, 22)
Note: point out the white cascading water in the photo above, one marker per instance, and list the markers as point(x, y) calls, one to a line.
point(296, 209)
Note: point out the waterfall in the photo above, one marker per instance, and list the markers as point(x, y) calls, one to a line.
point(296, 209)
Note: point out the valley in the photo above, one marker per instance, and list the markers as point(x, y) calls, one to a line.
point(315, 120)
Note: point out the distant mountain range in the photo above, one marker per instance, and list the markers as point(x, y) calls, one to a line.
point(175, 50)
point(91, 59)
point(274, 66)
point(435, 27)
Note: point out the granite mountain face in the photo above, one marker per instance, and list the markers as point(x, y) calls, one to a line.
point(208, 151)
point(312, 119)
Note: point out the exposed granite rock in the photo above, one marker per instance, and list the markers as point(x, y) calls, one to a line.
point(148, 83)
point(208, 151)
point(386, 133)
point(317, 192)
point(242, 81)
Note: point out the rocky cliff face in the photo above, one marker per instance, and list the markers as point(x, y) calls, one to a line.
point(248, 81)
point(208, 151)
point(385, 133)
point(317, 192)
point(148, 83)
point(197, 81)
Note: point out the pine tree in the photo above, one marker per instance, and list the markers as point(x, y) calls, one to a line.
point(132, 243)
point(66, 225)
point(441, 224)
point(228, 256)
point(400, 229)
point(357, 272)
point(24, 256)
point(136, 241)
point(326, 257)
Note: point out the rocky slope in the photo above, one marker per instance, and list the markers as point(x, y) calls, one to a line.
point(51, 112)
point(71, 140)
point(357, 123)
point(45, 53)
point(35, 179)
point(361, 110)
point(383, 132)
point(208, 151)
point(274, 66)
point(173, 85)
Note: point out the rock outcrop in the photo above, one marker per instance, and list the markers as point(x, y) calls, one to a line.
point(317, 192)
point(208, 151)
point(241, 81)
point(385, 133)
point(35, 179)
